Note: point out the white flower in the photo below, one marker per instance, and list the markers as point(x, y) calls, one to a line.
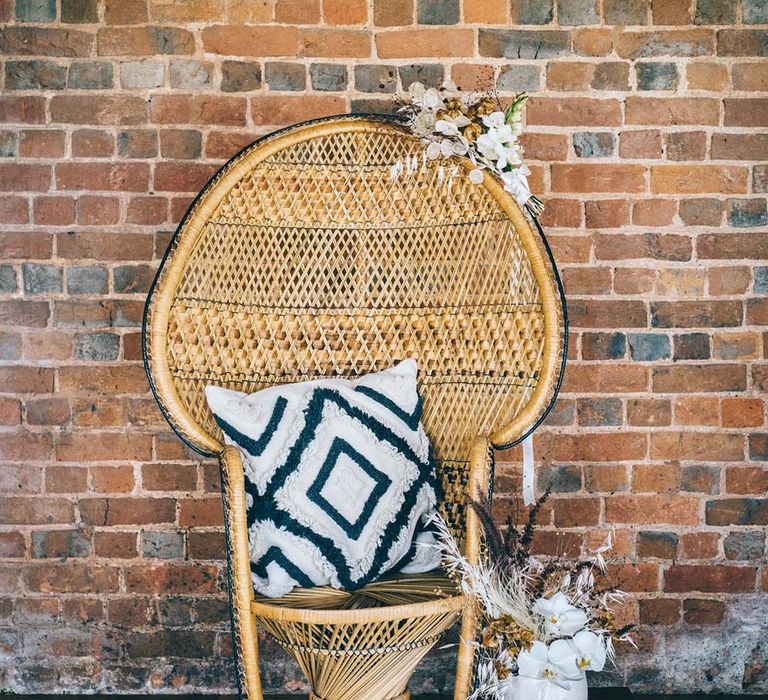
point(591, 651)
point(494, 119)
point(476, 176)
point(540, 662)
point(560, 617)
point(498, 144)
point(449, 126)
point(446, 148)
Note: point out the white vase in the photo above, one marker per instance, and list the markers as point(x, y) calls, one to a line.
point(523, 688)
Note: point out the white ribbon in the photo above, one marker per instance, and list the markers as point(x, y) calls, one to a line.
point(516, 183)
point(529, 492)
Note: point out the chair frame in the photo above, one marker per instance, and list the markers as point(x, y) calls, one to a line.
point(244, 608)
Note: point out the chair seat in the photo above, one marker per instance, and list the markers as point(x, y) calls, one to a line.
point(430, 592)
point(363, 644)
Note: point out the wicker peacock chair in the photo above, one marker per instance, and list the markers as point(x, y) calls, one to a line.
point(305, 258)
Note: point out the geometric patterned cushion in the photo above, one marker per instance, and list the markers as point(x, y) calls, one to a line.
point(340, 479)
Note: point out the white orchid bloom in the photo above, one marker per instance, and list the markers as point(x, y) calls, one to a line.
point(560, 617)
point(494, 119)
point(540, 663)
point(591, 651)
point(516, 183)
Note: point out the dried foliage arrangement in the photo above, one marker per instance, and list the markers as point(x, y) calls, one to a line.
point(476, 126)
point(550, 620)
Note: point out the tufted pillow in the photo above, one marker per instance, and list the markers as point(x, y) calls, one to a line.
point(340, 480)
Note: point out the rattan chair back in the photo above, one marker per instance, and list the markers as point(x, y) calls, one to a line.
point(307, 256)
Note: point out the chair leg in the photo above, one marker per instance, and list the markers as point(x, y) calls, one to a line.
point(480, 474)
point(245, 640)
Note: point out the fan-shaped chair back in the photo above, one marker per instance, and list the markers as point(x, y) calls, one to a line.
point(308, 256)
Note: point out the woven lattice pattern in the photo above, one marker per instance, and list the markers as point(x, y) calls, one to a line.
point(319, 263)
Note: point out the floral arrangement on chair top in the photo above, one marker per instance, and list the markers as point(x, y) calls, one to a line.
point(476, 126)
point(545, 622)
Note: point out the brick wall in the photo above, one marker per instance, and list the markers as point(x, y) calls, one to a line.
point(646, 137)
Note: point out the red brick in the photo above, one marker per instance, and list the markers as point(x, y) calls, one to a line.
point(699, 378)
point(697, 410)
point(655, 478)
point(703, 611)
point(643, 510)
point(39, 143)
point(658, 246)
point(694, 314)
point(589, 41)
point(18, 177)
point(117, 479)
point(172, 579)
point(442, 42)
point(286, 109)
point(147, 210)
point(672, 111)
point(592, 447)
point(105, 512)
point(45, 41)
point(232, 40)
point(699, 545)
point(60, 479)
point(14, 210)
point(712, 447)
point(144, 41)
point(54, 211)
point(201, 512)
point(98, 211)
point(199, 109)
point(26, 380)
point(590, 177)
point(576, 512)
point(746, 112)
point(169, 477)
point(681, 578)
point(98, 109)
point(606, 213)
point(35, 510)
point(24, 313)
point(750, 76)
point(659, 611)
point(654, 212)
point(126, 177)
point(182, 177)
point(72, 578)
point(98, 447)
point(92, 143)
point(115, 544)
point(746, 480)
point(573, 111)
point(593, 313)
point(105, 246)
point(22, 110)
point(605, 378)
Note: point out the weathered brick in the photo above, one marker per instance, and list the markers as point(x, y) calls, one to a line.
point(162, 545)
point(329, 77)
point(744, 546)
point(709, 579)
point(97, 109)
point(41, 279)
point(703, 611)
point(60, 544)
point(437, 11)
point(144, 41)
point(656, 76)
point(594, 144)
point(742, 42)
point(187, 74)
point(35, 10)
point(34, 75)
point(141, 74)
point(199, 109)
point(671, 42)
point(90, 75)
